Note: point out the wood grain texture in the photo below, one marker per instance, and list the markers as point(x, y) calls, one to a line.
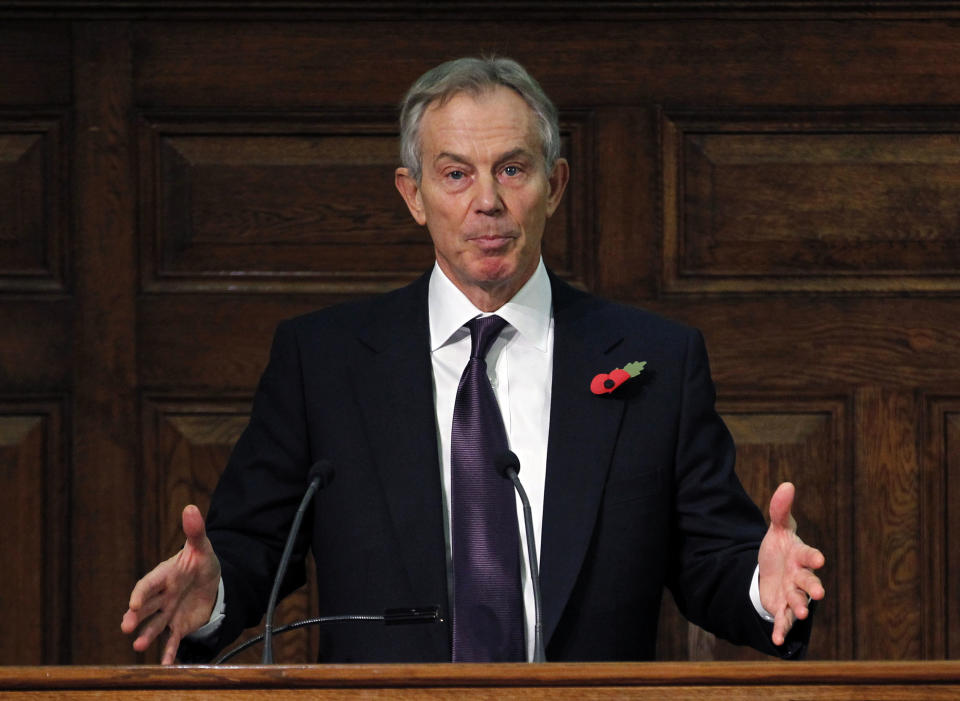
point(33, 205)
point(778, 174)
point(951, 464)
point(303, 204)
point(801, 440)
point(35, 61)
point(939, 547)
point(886, 559)
point(186, 443)
point(104, 496)
point(801, 202)
point(33, 593)
point(34, 353)
point(875, 680)
point(694, 63)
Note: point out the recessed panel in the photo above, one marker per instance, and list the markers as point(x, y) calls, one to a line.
point(806, 205)
point(33, 518)
point(311, 206)
point(274, 206)
point(940, 545)
point(187, 443)
point(800, 441)
point(951, 459)
point(32, 207)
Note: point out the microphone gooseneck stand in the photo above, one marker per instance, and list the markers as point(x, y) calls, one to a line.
point(508, 465)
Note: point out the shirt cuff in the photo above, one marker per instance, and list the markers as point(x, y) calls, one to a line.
point(755, 597)
point(216, 618)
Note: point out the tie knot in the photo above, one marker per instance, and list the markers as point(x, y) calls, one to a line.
point(483, 331)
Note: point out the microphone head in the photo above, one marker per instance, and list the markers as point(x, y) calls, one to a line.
point(505, 461)
point(323, 470)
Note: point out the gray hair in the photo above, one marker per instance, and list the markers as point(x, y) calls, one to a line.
point(474, 76)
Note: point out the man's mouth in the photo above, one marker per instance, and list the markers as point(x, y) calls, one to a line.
point(491, 241)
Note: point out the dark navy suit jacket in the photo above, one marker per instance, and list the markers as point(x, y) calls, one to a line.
point(640, 488)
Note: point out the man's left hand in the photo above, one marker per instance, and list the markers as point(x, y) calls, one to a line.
point(787, 582)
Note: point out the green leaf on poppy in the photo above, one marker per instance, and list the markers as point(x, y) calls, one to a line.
point(635, 368)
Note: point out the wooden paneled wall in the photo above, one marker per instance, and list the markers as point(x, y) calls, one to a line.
point(175, 178)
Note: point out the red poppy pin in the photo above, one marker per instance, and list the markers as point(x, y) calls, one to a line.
point(606, 382)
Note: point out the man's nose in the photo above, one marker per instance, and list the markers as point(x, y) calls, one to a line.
point(487, 198)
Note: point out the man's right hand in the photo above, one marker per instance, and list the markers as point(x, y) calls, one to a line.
point(177, 596)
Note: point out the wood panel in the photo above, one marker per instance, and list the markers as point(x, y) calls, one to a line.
point(949, 439)
point(36, 61)
point(33, 207)
point(33, 591)
point(36, 325)
point(709, 61)
point(831, 202)
point(801, 440)
point(105, 455)
point(175, 180)
point(301, 205)
point(266, 205)
point(940, 546)
point(886, 544)
point(186, 443)
point(879, 681)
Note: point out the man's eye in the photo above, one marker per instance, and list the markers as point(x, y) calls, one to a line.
point(511, 171)
point(456, 175)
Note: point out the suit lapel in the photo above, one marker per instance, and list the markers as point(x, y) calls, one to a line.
point(394, 384)
point(583, 432)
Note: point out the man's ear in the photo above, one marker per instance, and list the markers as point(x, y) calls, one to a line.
point(409, 189)
point(557, 181)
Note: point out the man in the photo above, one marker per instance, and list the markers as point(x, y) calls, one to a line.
point(633, 489)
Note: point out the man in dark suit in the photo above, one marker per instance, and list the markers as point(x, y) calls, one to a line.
point(630, 473)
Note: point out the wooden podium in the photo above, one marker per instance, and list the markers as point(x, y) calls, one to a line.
point(881, 681)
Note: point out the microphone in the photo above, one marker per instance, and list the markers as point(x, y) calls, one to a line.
point(390, 617)
point(508, 465)
point(320, 476)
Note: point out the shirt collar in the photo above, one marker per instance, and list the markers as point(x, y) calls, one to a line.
point(528, 311)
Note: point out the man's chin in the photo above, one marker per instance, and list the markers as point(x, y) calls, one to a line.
point(494, 271)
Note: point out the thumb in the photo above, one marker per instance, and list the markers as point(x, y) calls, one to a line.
point(780, 505)
point(193, 526)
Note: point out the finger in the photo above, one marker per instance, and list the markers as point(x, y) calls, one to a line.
point(810, 584)
point(150, 630)
point(193, 525)
point(810, 557)
point(130, 621)
point(780, 505)
point(134, 617)
point(798, 602)
point(149, 586)
point(782, 624)
point(151, 606)
point(170, 649)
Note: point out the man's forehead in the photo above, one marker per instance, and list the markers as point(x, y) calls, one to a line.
point(496, 114)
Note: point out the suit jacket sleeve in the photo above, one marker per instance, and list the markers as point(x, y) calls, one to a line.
point(718, 527)
point(257, 496)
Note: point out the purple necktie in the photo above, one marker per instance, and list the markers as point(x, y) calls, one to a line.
point(488, 607)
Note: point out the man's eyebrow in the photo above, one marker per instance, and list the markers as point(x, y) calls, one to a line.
point(450, 156)
point(518, 152)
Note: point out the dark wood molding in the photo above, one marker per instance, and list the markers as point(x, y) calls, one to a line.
point(520, 9)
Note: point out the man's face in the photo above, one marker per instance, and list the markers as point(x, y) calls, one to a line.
point(484, 193)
